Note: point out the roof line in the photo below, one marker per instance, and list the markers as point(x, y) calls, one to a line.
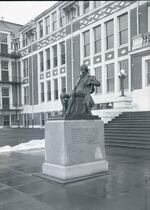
point(3, 21)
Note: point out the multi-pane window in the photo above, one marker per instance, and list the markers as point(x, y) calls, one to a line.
point(63, 84)
point(26, 95)
point(3, 43)
point(47, 25)
point(71, 14)
point(6, 120)
point(42, 91)
point(54, 21)
point(124, 66)
point(62, 18)
point(42, 119)
point(98, 75)
point(97, 39)
point(41, 29)
point(49, 90)
point(110, 77)
point(55, 89)
point(5, 98)
point(148, 71)
point(86, 43)
point(62, 53)
point(4, 70)
point(26, 119)
point(109, 34)
point(25, 40)
point(55, 56)
point(86, 6)
point(25, 68)
point(123, 29)
point(41, 61)
point(48, 58)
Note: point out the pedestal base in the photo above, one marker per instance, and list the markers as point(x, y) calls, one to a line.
point(74, 149)
point(75, 172)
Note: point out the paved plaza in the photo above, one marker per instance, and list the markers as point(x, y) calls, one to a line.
point(126, 187)
point(15, 136)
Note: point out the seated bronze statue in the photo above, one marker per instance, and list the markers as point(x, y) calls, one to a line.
point(79, 102)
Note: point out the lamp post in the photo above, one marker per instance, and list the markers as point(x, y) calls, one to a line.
point(122, 76)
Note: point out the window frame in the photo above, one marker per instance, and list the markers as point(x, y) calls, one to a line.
point(86, 44)
point(110, 78)
point(109, 37)
point(97, 40)
point(47, 25)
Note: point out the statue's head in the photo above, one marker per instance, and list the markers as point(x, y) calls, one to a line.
point(84, 69)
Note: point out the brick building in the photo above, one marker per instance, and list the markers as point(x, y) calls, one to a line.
point(44, 58)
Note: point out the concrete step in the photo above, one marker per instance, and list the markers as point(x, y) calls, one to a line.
point(127, 139)
point(127, 135)
point(129, 142)
point(136, 113)
point(128, 145)
point(127, 124)
point(131, 120)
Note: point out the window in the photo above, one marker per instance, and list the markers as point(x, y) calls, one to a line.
point(123, 29)
point(3, 38)
point(24, 36)
point(26, 119)
point(62, 51)
point(55, 89)
point(47, 24)
point(3, 43)
point(41, 29)
point(97, 4)
point(26, 95)
point(54, 21)
point(63, 84)
point(42, 91)
point(5, 98)
point(49, 90)
point(42, 119)
point(41, 62)
point(48, 58)
point(148, 71)
point(62, 18)
point(86, 43)
point(109, 34)
point(25, 68)
point(55, 56)
point(86, 6)
point(98, 75)
point(110, 77)
point(124, 65)
point(97, 39)
point(4, 71)
point(71, 14)
point(6, 120)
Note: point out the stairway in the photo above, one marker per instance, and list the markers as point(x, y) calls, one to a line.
point(130, 129)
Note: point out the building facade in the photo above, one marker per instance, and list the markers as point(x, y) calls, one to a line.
point(108, 36)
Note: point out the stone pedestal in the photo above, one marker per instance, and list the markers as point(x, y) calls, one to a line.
point(74, 149)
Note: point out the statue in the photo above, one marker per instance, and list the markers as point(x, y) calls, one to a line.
point(79, 102)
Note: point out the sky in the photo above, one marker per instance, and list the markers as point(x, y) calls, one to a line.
point(22, 12)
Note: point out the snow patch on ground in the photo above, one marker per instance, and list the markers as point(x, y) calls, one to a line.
point(33, 144)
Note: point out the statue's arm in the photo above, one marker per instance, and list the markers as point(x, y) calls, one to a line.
point(94, 81)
